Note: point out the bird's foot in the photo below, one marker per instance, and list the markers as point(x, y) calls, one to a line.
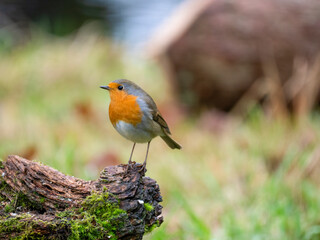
point(143, 168)
point(129, 165)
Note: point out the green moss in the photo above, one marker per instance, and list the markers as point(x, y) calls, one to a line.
point(8, 208)
point(148, 229)
point(148, 207)
point(19, 200)
point(3, 188)
point(1, 163)
point(98, 218)
point(12, 224)
point(21, 227)
point(24, 202)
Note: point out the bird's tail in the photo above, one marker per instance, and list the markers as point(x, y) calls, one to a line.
point(170, 142)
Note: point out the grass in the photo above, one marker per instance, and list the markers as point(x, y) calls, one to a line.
point(256, 178)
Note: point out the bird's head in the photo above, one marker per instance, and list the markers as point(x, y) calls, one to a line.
point(121, 88)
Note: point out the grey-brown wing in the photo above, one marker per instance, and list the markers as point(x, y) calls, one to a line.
point(156, 116)
point(159, 119)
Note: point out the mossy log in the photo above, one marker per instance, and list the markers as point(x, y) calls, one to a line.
point(39, 202)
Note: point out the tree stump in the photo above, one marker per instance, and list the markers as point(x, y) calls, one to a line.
point(40, 202)
point(219, 53)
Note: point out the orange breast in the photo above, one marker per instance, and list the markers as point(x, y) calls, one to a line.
point(124, 107)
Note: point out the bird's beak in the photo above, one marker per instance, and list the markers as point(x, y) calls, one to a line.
point(105, 87)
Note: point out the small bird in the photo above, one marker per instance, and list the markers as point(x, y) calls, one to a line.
point(134, 114)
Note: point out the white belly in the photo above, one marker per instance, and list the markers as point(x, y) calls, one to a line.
point(138, 134)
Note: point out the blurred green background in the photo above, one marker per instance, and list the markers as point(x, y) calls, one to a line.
point(253, 177)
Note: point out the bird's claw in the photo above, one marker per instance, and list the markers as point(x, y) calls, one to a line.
point(143, 168)
point(129, 165)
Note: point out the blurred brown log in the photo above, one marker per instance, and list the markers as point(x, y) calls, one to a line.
point(213, 51)
point(47, 193)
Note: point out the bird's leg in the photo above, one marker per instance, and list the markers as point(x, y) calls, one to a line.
point(145, 160)
point(134, 144)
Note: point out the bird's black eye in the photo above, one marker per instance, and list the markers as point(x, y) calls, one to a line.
point(120, 87)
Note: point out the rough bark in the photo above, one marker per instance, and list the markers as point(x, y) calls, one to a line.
point(38, 201)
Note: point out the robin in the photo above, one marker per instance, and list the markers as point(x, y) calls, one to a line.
point(134, 114)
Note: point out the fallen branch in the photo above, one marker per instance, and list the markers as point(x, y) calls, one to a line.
point(40, 202)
